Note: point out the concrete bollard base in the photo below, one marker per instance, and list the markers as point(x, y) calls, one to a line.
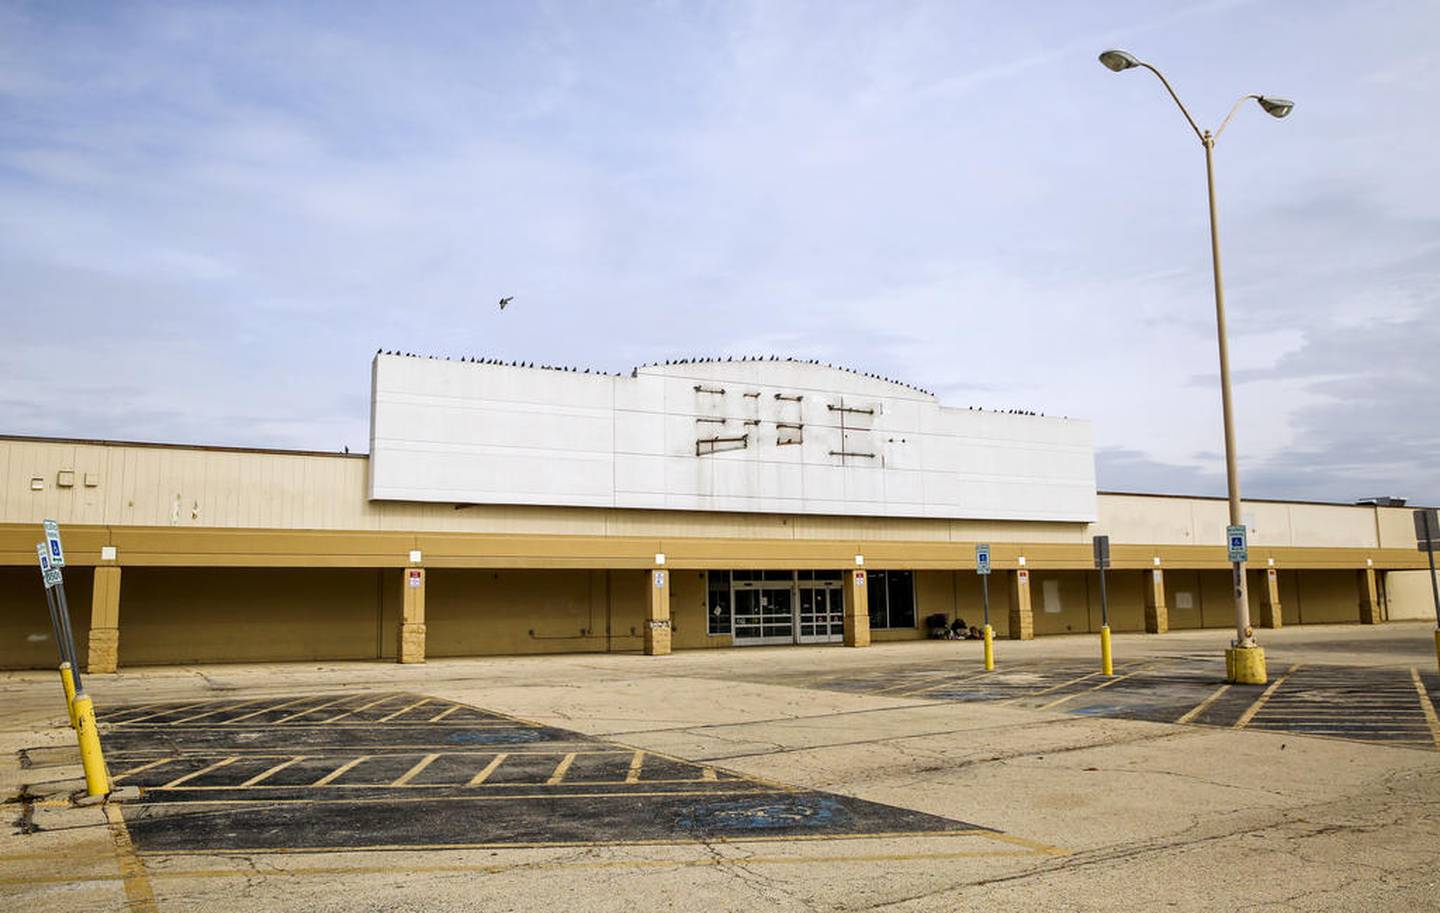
point(1245, 665)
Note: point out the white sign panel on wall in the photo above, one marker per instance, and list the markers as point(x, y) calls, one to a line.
point(756, 435)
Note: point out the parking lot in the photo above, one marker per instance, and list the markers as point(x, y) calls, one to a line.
point(899, 778)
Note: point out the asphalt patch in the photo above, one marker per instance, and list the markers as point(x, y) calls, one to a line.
point(1380, 705)
point(359, 771)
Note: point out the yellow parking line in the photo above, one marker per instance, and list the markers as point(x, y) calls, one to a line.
point(136, 770)
point(200, 716)
point(912, 688)
point(151, 716)
point(444, 713)
point(274, 770)
point(705, 861)
point(1105, 684)
point(139, 896)
point(637, 761)
point(341, 716)
point(1203, 705)
point(280, 706)
point(489, 769)
point(420, 703)
point(561, 769)
point(1426, 706)
point(670, 781)
point(204, 770)
point(1065, 684)
point(410, 774)
point(340, 771)
point(481, 796)
point(1254, 708)
point(308, 710)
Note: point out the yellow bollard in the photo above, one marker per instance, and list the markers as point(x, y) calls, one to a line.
point(990, 648)
point(97, 778)
point(67, 680)
point(1107, 667)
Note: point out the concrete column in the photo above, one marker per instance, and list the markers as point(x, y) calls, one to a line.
point(1369, 596)
point(857, 609)
point(1270, 615)
point(1157, 613)
point(1022, 618)
point(411, 648)
point(105, 621)
point(657, 619)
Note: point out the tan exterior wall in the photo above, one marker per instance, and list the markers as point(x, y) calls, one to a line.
point(1328, 597)
point(689, 604)
point(26, 641)
point(185, 487)
point(209, 615)
point(1060, 601)
point(1410, 597)
point(482, 613)
point(248, 555)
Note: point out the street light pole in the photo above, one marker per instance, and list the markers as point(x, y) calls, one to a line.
point(1245, 660)
point(1244, 635)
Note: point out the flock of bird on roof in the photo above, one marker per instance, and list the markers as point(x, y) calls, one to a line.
point(692, 361)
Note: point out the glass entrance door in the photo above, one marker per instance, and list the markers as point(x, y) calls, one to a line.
point(822, 614)
point(764, 613)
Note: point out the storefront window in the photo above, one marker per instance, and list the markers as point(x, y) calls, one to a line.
point(892, 599)
point(718, 603)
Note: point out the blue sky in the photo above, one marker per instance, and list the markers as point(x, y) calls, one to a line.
point(211, 216)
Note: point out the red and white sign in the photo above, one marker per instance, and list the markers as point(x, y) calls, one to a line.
point(859, 578)
point(1024, 575)
point(414, 577)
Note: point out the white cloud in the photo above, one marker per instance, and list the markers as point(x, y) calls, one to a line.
point(954, 195)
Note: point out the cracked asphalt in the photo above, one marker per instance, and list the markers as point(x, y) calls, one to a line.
point(1042, 787)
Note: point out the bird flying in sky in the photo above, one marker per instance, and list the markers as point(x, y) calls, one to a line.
point(505, 301)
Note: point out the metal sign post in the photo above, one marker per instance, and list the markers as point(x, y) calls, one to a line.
point(982, 567)
point(1102, 561)
point(1427, 539)
point(51, 576)
point(57, 561)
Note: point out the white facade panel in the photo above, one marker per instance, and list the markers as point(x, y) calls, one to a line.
point(769, 436)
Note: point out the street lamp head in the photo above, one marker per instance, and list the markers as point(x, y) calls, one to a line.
point(1119, 60)
point(1275, 107)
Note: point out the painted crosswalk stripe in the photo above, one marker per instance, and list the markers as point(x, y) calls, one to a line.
point(444, 713)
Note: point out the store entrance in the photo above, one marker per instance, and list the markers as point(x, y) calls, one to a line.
point(787, 607)
point(821, 614)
